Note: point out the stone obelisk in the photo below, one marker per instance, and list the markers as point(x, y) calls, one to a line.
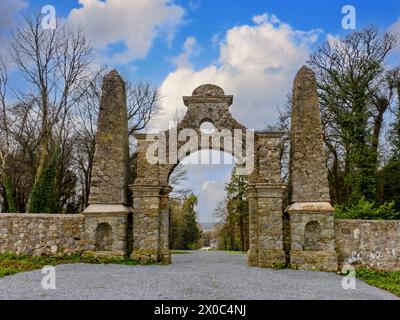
point(108, 198)
point(310, 211)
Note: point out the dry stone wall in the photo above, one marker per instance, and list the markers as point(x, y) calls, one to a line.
point(370, 244)
point(42, 234)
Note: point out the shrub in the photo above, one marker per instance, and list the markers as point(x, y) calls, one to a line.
point(366, 210)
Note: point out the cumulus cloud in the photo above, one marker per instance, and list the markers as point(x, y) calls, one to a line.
point(256, 63)
point(8, 11)
point(8, 8)
point(395, 28)
point(125, 29)
point(211, 194)
point(190, 49)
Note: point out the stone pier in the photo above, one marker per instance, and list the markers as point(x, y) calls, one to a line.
point(108, 216)
point(310, 213)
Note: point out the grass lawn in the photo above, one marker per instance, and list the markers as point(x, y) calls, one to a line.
point(237, 252)
point(11, 263)
point(389, 281)
point(180, 252)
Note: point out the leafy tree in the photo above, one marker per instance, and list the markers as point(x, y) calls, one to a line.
point(389, 176)
point(191, 234)
point(234, 215)
point(184, 230)
point(238, 207)
point(351, 76)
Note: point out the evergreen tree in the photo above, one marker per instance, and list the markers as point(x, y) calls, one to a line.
point(44, 194)
point(237, 207)
point(350, 72)
point(390, 174)
point(8, 196)
point(191, 233)
point(184, 232)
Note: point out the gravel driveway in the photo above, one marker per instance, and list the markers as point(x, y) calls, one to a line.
point(198, 275)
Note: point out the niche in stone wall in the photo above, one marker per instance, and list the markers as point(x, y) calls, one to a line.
point(312, 236)
point(103, 237)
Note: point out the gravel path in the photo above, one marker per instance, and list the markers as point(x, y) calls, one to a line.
point(198, 275)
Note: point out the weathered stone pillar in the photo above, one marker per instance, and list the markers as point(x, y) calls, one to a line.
point(164, 254)
point(265, 194)
point(270, 225)
point(150, 207)
point(252, 254)
point(310, 211)
point(107, 201)
point(146, 223)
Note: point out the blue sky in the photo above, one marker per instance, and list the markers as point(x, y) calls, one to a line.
point(250, 48)
point(206, 18)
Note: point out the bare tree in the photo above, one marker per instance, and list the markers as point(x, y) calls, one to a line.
point(177, 177)
point(54, 62)
point(4, 133)
point(143, 102)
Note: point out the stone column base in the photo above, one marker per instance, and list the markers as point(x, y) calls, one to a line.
point(165, 257)
point(252, 258)
point(118, 219)
point(271, 258)
point(145, 255)
point(325, 260)
point(105, 254)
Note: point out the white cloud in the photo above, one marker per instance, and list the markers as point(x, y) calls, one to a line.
point(8, 8)
point(257, 64)
point(8, 14)
point(127, 26)
point(190, 49)
point(395, 28)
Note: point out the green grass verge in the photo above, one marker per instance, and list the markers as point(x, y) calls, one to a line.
point(180, 252)
point(12, 263)
point(236, 252)
point(389, 281)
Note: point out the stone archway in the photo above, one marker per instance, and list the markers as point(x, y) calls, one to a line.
point(301, 235)
point(264, 190)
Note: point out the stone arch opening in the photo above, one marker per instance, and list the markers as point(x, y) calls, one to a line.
point(103, 237)
point(207, 182)
point(205, 179)
point(312, 236)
